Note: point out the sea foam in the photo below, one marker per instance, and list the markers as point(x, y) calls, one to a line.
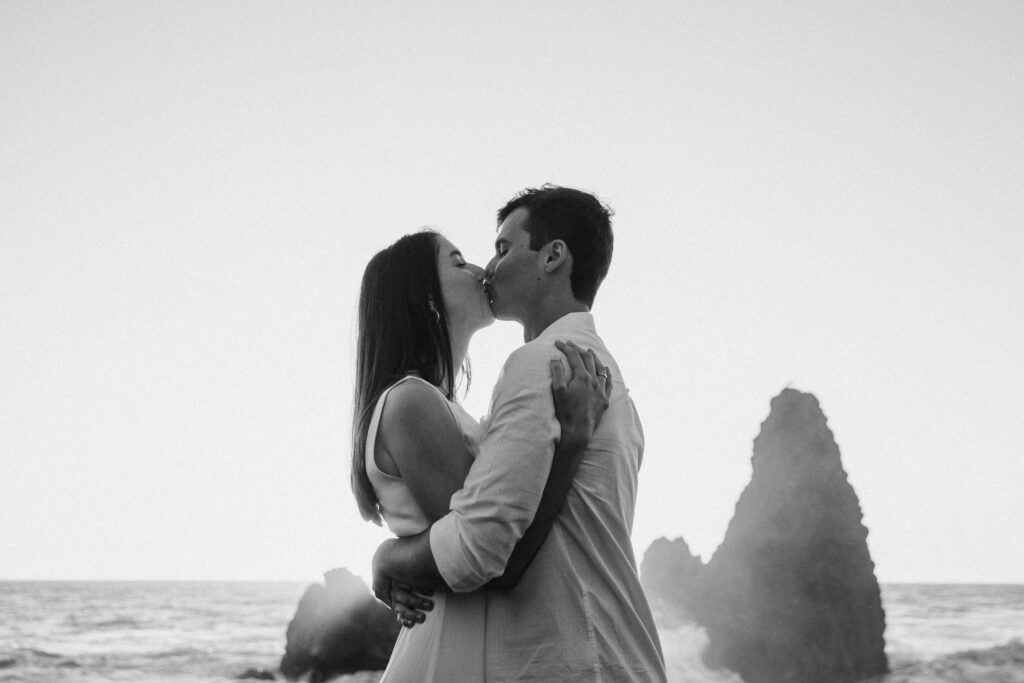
point(684, 647)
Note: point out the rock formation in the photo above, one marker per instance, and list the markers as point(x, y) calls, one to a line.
point(338, 628)
point(670, 575)
point(790, 595)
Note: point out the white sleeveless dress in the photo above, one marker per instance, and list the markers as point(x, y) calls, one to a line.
point(448, 647)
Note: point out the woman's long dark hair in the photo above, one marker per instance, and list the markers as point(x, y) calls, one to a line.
point(403, 330)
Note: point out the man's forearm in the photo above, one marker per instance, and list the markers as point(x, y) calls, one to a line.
point(409, 560)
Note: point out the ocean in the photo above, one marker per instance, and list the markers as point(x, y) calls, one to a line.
point(212, 632)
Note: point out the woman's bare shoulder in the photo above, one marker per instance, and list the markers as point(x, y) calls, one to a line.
point(412, 407)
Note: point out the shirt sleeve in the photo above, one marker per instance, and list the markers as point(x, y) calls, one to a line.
point(472, 543)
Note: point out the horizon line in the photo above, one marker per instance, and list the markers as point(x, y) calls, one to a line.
point(293, 580)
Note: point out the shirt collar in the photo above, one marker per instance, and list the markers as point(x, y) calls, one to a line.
point(570, 322)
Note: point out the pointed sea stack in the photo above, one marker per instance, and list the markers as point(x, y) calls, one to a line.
point(791, 594)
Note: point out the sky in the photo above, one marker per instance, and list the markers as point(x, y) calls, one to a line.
point(827, 196)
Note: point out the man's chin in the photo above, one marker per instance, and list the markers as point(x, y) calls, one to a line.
point(498, 314)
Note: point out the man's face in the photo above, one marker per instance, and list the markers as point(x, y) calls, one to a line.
point(515, 274)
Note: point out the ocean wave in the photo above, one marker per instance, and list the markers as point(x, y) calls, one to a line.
point(1000, 664)
point(180, 652)
point(33, 658)
point(115, 623)
point(33, 652)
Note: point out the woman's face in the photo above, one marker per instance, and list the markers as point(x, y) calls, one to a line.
point(462, 288)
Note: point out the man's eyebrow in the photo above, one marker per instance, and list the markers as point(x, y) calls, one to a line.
point(501, 240)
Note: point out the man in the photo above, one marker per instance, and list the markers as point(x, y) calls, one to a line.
point(578, 612)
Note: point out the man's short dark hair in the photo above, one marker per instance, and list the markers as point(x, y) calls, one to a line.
point(577, 218)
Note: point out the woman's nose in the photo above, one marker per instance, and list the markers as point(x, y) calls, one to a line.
point(477, 271)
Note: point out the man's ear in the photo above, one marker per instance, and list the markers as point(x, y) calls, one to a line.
point(557, 254)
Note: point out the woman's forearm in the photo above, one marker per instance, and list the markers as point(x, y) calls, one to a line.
point(563, 470)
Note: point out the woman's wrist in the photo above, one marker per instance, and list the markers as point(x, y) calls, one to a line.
point(573, 441)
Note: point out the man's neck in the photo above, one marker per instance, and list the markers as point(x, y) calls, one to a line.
point(547, 313)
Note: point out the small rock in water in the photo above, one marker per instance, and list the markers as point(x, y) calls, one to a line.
point(258, 674)
point(338, 628)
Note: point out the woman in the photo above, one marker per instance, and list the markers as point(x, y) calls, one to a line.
point(413, 444)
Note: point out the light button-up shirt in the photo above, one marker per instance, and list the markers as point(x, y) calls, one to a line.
point(578, 613)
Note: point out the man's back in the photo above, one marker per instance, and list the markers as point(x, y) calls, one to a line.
point(578, 612)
